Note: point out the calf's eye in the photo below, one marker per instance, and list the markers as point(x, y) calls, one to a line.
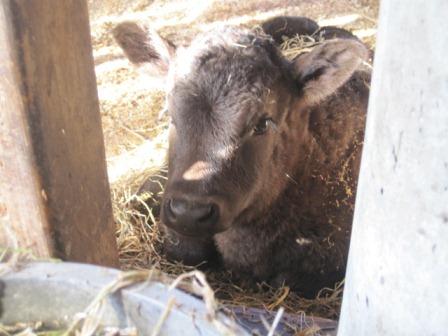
point(262, 126)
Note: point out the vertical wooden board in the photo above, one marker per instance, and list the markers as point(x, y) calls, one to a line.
point(22, 212)
point(57, 82)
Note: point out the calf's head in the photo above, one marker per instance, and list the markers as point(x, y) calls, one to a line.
point(238, 111)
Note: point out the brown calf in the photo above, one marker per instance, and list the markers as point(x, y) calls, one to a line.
point(264, 152)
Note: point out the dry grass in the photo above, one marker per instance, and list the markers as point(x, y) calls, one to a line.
point(138, 237)
point(295, 46)
point(131, 102)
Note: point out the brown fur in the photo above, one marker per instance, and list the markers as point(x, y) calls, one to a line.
point(303, 238)
point(277, 203)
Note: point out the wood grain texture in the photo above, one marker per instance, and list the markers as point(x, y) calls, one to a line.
point(54, 178)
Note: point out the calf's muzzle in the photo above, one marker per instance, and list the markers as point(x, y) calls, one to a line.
point(190, 217)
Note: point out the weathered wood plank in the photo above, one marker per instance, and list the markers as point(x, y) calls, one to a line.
point(54, 195)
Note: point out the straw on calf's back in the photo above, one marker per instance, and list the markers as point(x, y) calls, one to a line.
point(263, 153)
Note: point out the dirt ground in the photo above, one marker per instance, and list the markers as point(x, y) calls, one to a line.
point(135, 133)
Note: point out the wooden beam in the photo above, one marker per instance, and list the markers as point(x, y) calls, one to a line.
point(54, 192)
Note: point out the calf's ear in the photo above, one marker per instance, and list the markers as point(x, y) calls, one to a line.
point(323, 70)
point(144, 47)
point(281, 27)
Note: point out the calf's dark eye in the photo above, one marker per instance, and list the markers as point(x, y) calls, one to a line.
point(261, 127)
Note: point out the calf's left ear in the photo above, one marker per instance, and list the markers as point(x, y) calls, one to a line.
point(328, 66)
point(144, 47)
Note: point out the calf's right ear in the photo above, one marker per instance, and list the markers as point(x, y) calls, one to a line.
point(144, 47)
point(327, 67)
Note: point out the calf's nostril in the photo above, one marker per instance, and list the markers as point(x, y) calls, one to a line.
point(177, 207)
point(207, 212)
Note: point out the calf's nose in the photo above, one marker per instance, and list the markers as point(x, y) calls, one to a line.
point(190, 218)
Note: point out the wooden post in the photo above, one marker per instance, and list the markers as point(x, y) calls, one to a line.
point(54, 192)
point(397, 275)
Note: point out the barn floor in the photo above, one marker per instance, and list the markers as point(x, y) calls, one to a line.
point(135, 133)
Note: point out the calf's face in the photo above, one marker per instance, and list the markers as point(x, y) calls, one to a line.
point(225, 117)
point(235, 105)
